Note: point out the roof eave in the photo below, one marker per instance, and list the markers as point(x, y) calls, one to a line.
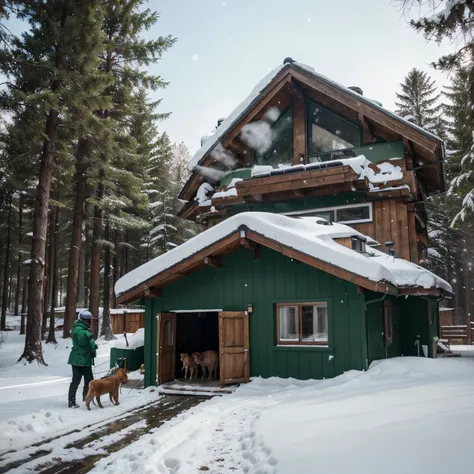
point(195, 261)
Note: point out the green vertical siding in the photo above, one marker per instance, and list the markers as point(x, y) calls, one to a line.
point(375, 328)
point(416, 323)
point(273, 279)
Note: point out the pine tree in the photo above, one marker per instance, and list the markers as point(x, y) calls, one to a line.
point(49, 67)
point(418, 101)
point(455, 21)
point(457, 112)
point(125, 55)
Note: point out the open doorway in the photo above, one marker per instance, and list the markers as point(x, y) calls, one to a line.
point(195, 332)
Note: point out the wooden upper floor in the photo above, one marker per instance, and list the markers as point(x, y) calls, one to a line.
point(301, 141)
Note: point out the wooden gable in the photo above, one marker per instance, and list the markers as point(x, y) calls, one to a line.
point(291, 86)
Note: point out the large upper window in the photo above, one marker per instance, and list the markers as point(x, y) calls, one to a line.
point(328, 132)
point(305, 323)
point(280, 151)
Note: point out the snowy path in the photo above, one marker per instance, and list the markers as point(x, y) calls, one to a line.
point(78, 450)
point(33, 399)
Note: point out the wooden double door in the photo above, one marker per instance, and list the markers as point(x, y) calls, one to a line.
point(234, 362)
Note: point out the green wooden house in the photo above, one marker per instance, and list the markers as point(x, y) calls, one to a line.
point(282, 296)
point(315, 228)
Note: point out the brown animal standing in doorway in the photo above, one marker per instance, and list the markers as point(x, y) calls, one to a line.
point(208, 359)
point(109, 385)
point(189, 366)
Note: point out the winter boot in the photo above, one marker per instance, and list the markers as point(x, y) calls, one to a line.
point(73, 404)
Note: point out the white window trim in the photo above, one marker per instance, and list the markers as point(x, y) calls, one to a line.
point(334, 209)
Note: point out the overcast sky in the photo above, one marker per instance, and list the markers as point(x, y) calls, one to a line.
point(225, 47)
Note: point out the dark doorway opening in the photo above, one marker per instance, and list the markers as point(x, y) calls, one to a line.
point(195, 332)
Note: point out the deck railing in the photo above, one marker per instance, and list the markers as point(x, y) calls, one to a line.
point(458, 334)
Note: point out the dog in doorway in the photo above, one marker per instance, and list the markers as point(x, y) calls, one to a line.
point(208, 359)
point(189, 366)
point(109, 385)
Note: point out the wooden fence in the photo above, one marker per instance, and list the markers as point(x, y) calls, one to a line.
point(129, 321)
point(462, 334)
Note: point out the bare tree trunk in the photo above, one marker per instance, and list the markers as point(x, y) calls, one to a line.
point(19, 263)
point(33, 348)
point(87, 259)
point(81, 279)
point(106, 329)
point(47, 272)
point(76, 240)
point(10, 287)
point(125, 263)
point(115, 270)
point(24, 300)
point(95, 263)
point(53, 242)
point(3, 321)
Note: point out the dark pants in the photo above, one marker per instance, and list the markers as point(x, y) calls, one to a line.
point(77, 373)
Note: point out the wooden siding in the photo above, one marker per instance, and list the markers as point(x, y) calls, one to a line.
point(390, 223)
point(264, 283)
point(134, 321)
point(391, 219)
point(446, 317)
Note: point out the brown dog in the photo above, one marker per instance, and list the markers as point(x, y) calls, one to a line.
point(189, 366)
point(208, 359)
point(110, 385)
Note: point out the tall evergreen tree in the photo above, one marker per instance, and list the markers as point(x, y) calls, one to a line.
point(457, 112)
point(418, 101)
point(124, 57)
point(454, 22)
point(53, 73)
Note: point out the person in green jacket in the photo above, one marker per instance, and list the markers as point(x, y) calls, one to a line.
point(82, 356)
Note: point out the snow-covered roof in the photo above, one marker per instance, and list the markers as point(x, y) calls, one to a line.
point(306, 235)
point(212, 140)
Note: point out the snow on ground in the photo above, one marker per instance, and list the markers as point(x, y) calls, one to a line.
point(33, 399)
point(402, 415)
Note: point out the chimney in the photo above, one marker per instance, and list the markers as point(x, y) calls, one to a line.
point(356, 89)
point(390, 245)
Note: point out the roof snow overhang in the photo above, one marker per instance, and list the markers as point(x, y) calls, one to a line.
point(426, 148)
point(244, 237)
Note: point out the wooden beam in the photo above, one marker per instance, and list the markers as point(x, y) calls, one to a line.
point(246, 243)
point(298, 180)
point(214, 262)
point(299, 129)
point(152, 292)
point(256, 252)
point(368, 135)
point(408, 147)
point(418, 291)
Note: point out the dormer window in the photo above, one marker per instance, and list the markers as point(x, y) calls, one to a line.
point(328, 132)
point(358, 244)
point(280, 152)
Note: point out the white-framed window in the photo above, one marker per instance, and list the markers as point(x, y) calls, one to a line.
point(350, 214)
point(302, 323)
